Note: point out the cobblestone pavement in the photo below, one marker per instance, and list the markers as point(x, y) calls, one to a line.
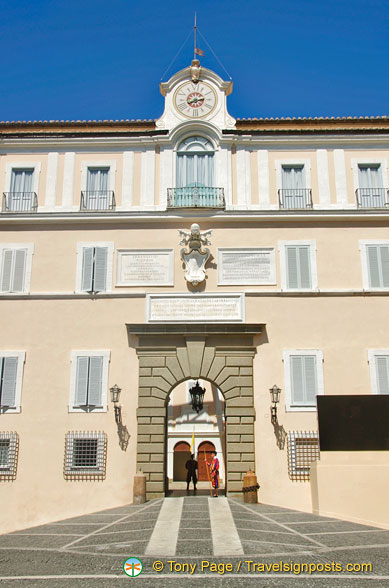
point(199, 541)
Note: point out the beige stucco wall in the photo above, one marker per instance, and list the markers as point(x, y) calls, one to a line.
point(55, 251)
point(352, 486)
point(48, 330)
point(358, 152)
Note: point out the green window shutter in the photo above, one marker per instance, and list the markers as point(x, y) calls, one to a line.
point(373, 263)
point(310, 377)
point(19, 270)
point(87, 269)
point(384, 250)
point(100, 269)
point(82, 377)
point(305, 267)
point(291, 267)
point(382, 370)
point(6, 270)
point(95, 381)
point(8, 380)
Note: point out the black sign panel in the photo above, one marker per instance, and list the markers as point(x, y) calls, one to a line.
point(354, 423)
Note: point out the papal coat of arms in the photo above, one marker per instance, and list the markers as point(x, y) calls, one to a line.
point(196, 256)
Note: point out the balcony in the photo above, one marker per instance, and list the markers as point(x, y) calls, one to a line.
point(195, 197)
point(20, 202)
point(372, 197)
point(295, 198)
point(97, 200)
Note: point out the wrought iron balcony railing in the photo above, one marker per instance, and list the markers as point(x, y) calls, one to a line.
point(195, 197)
point(295, 198)
point(372, 197)
point(20, 202)
point(97, 200)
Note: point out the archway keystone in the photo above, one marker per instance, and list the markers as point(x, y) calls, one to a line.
point(169, 354)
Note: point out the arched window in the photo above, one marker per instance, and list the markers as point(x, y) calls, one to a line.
point(195, 163)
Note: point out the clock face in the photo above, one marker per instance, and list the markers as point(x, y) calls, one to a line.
point(195, 100)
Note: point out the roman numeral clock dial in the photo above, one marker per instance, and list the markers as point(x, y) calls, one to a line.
point(195, 100)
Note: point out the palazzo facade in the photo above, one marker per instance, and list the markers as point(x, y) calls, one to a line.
point(94, 292)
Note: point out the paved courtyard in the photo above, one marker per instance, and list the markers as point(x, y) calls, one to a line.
point(198, 541)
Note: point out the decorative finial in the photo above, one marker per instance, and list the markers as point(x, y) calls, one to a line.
point(195, 70)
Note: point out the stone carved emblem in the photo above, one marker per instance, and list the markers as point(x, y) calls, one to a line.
point(196, 256)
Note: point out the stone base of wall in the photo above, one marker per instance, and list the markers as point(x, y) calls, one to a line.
point(352, 486)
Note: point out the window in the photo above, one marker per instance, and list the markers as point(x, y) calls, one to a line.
point(98, 196)
point(375, 264)
point(370, 192)
point(15, 267)
point(98, 185)
point(294, 193)
point(85, 454)
point(94, 268)
point(298, 265)
point(11, 373)
point(303, 378)
point(379, 370)
point(195, 163)
point(9, 445)
point(303, 449)
point(89, 381)
point(21, 196)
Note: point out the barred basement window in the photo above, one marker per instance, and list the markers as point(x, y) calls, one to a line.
point(303, 449)
point(9, 446)
point(85, 454)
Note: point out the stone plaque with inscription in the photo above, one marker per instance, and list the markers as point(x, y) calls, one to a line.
point(200, 308)
point(246, 266)
point(145, 267)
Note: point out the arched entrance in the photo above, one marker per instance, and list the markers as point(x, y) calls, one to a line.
point(181, 455)
point(172, 353)
point(204, 450)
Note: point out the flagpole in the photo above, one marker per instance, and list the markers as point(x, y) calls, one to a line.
point(195, 32)
point(209, 479)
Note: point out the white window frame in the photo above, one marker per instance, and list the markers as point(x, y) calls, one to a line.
point(106, 355)
point(111, 164)
point(287, 353)
point(371, 358)
point(73, 472)
point(312, 254)
point(382, 163)
point(305, 163)
point(295, 472)
point(21, 355)
point(8, 472)
point(196, 132)
point(80, 247)
point(365, 265)
point(14, 165)
point(29, 247)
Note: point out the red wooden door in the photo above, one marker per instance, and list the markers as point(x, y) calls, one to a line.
point(180, 457)
point(204, 448)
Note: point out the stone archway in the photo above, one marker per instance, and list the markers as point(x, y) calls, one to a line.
point(170, 354)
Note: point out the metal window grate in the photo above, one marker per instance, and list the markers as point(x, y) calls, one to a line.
point(85, 454)
point(303, 449)
point(9, 449)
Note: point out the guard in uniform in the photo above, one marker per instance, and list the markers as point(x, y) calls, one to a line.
point(191, 465)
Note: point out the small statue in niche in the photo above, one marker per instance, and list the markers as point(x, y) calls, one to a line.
point(195, 257)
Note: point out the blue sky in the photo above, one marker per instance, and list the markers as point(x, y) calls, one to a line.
point(104, 59)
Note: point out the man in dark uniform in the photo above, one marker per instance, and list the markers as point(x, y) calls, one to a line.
point(191, 465)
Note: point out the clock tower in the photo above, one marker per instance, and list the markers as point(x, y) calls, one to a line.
point(195, 94)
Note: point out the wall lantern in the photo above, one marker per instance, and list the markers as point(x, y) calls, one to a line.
point(197, 396)
point(115, 395)
point(275, 398)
